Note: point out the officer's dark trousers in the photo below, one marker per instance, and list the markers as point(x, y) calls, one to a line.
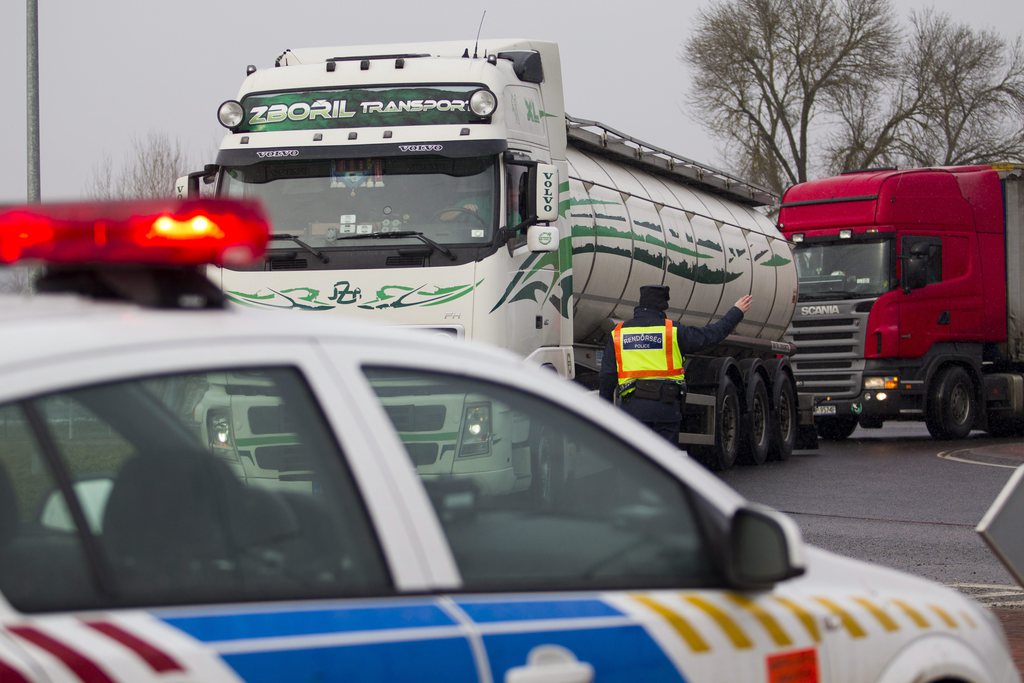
point(662, 417)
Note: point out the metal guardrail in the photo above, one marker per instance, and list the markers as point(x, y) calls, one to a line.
point(609, 142)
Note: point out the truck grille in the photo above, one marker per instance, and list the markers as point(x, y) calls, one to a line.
point(828, 359)
point(414, 418)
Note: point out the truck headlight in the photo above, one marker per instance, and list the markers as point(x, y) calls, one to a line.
point(476, 430)
point(230, 114)
point(218, 428)
point(483, 103)
point(881, 382)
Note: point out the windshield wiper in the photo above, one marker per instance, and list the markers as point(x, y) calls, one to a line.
point(295, 238)
point(403, 233)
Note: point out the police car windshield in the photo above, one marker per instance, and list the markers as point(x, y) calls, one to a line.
point(844, 270)
point(450, 201)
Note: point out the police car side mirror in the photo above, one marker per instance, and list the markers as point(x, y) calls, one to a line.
point(765, 547)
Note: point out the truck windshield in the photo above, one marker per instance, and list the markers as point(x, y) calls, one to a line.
point(844, 270)
point(450, 201)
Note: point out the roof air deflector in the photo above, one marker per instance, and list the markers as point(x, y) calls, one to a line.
point(526, 64)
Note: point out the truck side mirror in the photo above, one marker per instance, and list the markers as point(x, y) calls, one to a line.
point(187, 186)
point(544, 190)
point(915, 272)
point(542, 238)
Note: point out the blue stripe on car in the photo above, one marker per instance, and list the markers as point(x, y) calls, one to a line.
point(526, 610)
point(272, 624)
point(447, 659)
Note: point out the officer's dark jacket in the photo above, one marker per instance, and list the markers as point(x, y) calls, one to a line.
point(690, 339)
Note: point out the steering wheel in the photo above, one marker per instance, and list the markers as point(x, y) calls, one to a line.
point(459, 211)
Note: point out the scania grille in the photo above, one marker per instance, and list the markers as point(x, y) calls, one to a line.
point(828, 359)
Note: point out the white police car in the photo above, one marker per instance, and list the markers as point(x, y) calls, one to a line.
point(219, 495)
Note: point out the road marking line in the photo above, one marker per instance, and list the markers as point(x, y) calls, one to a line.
point(1007, 603)
point(950, 455)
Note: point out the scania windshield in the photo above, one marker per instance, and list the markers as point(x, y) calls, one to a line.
point(332, 204)
point(844, 269)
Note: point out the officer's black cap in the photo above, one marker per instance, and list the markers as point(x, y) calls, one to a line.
point(654, 296)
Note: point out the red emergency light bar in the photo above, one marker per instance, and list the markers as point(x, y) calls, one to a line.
point(168, 232)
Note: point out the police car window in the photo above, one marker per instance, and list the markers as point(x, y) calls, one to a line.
point(204, 487)
point(532, 496)
point(40, 566)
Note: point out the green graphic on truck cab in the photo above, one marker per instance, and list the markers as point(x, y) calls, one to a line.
point(388, 296)
point(357, 107)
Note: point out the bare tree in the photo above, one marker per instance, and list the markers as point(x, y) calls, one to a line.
point(797, 87)
point(149, 170)
point(976, 97)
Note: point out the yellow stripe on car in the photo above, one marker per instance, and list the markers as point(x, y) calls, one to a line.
point(677, 622)
point(849, 623)
point(914, 615)
point(944, 615)
point(770, 624)
point(805, 617)
point(724, 621)
point(878, 613)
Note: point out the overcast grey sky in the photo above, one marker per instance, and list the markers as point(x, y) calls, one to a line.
point(114, 69)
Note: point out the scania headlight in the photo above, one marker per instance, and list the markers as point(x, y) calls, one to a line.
point(230, 114)
point(476, 429)
point(881, 382)
point(483, 103)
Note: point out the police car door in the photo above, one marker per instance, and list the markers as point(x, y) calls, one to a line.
point(592, 564)
point(190, 510)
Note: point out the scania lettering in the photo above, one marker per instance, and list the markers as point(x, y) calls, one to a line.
point(456, 194)
point(819, 310)
point(919, 298)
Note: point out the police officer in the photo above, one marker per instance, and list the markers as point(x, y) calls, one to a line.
point(642, 367)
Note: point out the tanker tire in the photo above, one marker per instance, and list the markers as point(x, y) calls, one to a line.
point(784, 418)
point(722, 455)
point(755, 434)
point(836, 428)
point(951, 408)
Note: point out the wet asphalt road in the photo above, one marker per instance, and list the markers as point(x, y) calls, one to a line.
point(896, 497)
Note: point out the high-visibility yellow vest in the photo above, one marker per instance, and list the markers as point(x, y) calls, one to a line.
point(647, 353)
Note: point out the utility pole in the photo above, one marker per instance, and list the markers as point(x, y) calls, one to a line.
point(32, 87)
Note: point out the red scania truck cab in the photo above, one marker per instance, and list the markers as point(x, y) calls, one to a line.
point(911, 298)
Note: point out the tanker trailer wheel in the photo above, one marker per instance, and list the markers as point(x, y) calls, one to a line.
point(755, 434)
point(722, 455)
point(784, 418)
point(835, 428)
point(951, 405)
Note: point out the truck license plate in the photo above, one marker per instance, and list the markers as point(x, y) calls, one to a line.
point(825, 409)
